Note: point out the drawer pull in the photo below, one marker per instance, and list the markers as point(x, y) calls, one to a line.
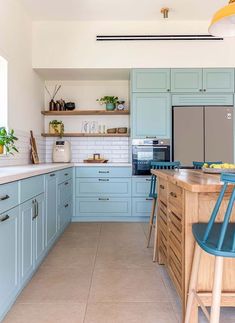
point(147, 137)
point(66, 183)
point(103, 171)
point(6, 217)
point(103, 199)
point(66, 205)
point(66, 174)
point(162, 187)
point(148, 180)
point(148, 199)
point(103, 180)
point(173, 194)
point(52, 175)
point(3, 198)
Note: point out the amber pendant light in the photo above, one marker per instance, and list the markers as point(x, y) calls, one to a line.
point(223, 22)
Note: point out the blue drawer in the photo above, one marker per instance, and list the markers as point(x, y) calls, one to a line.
point(65, 174)
point(9, 196)
point(103, 186)
point(103, 206)
point(31, 187)
point(104, 171)
point(141, 186)
point(141, 206)
point(65, 192)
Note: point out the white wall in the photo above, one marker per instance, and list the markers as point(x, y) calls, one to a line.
point(73, 45)
point(25, 89)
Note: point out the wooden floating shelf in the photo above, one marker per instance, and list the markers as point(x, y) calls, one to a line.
point(87, 135)
point(85, 112)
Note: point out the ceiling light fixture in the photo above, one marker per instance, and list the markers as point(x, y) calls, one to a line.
point(223, 22)
point(165, 12)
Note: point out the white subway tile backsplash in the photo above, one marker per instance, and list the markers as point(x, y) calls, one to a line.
point(114, 149)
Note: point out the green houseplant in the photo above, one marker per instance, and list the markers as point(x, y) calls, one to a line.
point(56, 127)
point(110, 102)
point(7, 141)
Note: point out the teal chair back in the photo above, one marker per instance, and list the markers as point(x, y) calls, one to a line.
point(198, 165)
point(219, 238)
point(160, 165)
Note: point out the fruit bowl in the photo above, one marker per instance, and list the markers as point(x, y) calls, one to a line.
point(219, 168)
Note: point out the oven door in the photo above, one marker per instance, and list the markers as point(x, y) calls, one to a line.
point(143, 155)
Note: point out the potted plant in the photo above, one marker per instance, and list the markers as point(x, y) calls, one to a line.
point(56, 127)
point(110, 102)
point(7, 141)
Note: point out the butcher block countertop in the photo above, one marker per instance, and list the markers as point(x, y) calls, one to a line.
point(191, 179)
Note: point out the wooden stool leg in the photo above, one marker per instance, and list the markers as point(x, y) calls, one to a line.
point(151, 221)
point(193, 282)
point(216, 292)
point(155, 244)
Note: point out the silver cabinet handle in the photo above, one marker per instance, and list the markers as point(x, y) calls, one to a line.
point(103, 199)
point(151, 137)
point(3, 198)
point(103, 171)
point(4, 218)
point(34, 209)
point(52, 175)
point(103, 180)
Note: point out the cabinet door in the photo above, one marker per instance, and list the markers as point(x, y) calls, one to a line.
point(51, 208)
point(218, 80)
point(141, 186)
point(151, 80)
point(141, 206)
point(9, 268)
point(151, 116)
point(39, 229)
point(27, 211)
point(186, 80)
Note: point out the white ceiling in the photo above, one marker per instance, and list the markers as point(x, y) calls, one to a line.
point(121, 9)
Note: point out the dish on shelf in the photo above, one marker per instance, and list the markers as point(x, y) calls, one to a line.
point(112, 130)
point(122, 130)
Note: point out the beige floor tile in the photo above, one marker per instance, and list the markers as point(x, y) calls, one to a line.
point(47, 313)
point(84, 227)
point(130, 313)
point(124, 257)
point(121, 228)
point(58, 285)
point(127, 285)
point(64, 256)
point(79, 239)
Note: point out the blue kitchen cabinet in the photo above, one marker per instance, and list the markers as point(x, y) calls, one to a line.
point(103, 171)
point(9, 258)
point(27, 215)
point(186, 80)
point(141, 203)
point(151, 115)
point(65, 203)
point(141, 186)
point(151, 80)
point(141, 206)
point(51, 208)
point(218, 80)
point(39, 229)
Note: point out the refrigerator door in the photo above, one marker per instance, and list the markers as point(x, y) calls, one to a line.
point(188, 135)
point(219, 134)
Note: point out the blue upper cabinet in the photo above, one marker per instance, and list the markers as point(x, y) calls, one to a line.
point(151, 115)
point(218, 80)
point(151, 80)
point(186, 80)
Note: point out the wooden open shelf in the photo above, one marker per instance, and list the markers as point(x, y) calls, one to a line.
point(85, 112)
point(87, 135)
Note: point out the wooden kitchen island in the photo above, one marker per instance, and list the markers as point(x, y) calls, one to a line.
point(185, 197)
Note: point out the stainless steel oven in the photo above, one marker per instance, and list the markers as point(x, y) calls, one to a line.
point(146, 150)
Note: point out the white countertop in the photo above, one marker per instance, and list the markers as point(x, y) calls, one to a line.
point(16, 173)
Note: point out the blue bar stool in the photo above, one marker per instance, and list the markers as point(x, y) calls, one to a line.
point(217, 239)
point(153, 194)
point(198, 164)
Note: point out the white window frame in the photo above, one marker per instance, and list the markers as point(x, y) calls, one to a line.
point(3, 92)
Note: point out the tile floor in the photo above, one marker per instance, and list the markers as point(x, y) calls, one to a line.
point(100, 273)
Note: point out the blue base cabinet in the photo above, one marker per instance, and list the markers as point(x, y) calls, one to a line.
point(141, 203)
point(65, 205)
point(9, 257)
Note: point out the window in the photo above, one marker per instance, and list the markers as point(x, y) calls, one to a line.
point(3, 92)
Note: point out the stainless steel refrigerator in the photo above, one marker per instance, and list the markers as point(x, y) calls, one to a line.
point(203, 133)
